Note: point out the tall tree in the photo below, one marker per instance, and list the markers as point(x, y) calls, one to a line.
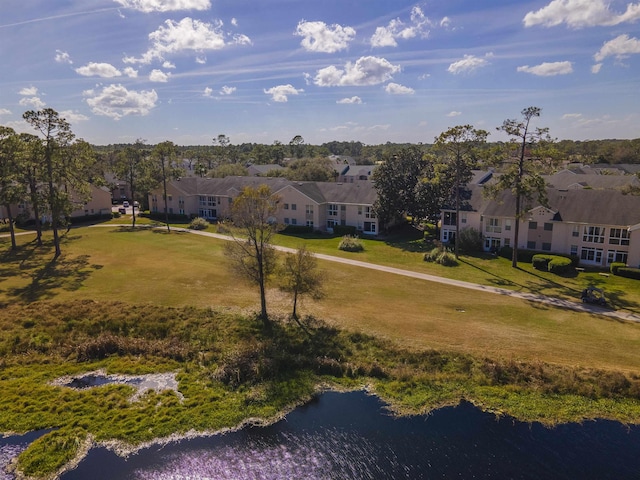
point(165, 154)
point(252, 256)
point(11, 189)
point(65, 164)
point(300, 277)
point(519, 169)
point(31, 174)
point(133, 165)
point(296, 146)
point(459, 149)
point(396, 181)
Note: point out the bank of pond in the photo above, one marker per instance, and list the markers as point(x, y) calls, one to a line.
point(113, 387)
point(352, 435)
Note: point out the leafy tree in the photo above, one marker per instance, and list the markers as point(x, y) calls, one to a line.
point(65, 163)
point(11, 189)
point(459, 148)
point(252, 256)
point(30, 173)
point(296, 146)
point(133, 165)
point(309, 170)
point(164, 155)
point(300, 277)
point(519, 173)
point(396, 181)
point(229, 169)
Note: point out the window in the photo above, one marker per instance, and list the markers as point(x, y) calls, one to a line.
point(531, 245)
point(331, 223)
point(286, 221)
point(294, 221)
point(170, 198)
point(546, 246)
point(359, 209)
point(310, 223)
point(574, 250)
point(617, 256)
point(619, 236)
point(548, 227)
point(309, 209)
point(493, 226)
point(448, 235)
point(369, 227)
point(294, 206)
point(492, 244)
point(507, 242)
point(449, 218)
point(368, 212)
point(533, 225)
point(343, 208)
point(593, 235)
point(593, 255)
point(286, 206)
point(332, 210)
point(507, 224)
point(463, 218)
point(576, 231)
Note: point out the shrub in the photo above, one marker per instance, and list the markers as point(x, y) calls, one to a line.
point(198, 223)
point(344, 230)
point(351, 244)
point(541, 262)
point(613, 268)
point(470, 240)
point(297, 229)
point(441, 256)
point(629, 272)
point(560, 265)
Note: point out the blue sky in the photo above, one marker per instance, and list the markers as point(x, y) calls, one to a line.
point(366, 70)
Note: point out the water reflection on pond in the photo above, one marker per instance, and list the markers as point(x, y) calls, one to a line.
point(350, 436)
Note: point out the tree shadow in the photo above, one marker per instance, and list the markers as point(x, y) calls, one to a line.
point(409, 239)
point(492, 278)
point(64, 273)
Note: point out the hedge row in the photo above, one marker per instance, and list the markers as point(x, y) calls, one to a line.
point(552, 263)
point(629, 272)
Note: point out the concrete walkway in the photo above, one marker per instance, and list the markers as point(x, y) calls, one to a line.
point(530, 297)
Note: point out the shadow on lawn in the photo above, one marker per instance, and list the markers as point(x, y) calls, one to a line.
point(28, 261)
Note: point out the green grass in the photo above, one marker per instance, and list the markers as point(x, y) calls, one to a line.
point(146, 301)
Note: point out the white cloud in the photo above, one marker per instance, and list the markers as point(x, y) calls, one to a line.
point(468, 64)
point(201, 60)
point(33, 102)
point(116, 101)
point(454, 114)
point(104, 70)
point(445, 22)
point(165, 5)
point(350, 101)
point(397, 29)
point(241, 39)
point(571, 116)
point(227, 90)
point(397, 89)
point(596, 68)
point(130, 72)
point(320, 37)
point(73, 117)
point(621, 47)
point(159, 76)
point(167, 64)
point(63, 57)
point(366, 71)
point(548, 69)
point(280, 93)
point(29, 91)
point(187, 35)
point(234, 22)
point(4, 111)
point(424, 76)
point(207, 92)
point(580, 13)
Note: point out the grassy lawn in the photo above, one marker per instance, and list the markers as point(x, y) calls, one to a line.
point(146, 266)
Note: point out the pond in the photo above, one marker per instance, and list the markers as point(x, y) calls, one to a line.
point(352, 436)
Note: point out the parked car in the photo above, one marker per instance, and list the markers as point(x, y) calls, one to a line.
point(122, 210)
point(125, 204)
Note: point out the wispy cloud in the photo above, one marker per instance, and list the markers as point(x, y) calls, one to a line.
point(350, 100)
point(548, 69)
point(581, 13)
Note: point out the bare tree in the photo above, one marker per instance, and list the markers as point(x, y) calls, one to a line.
point(165, 154)
point(300, 277)
point(252, 256)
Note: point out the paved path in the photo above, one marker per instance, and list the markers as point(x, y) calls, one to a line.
point(531, 297)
